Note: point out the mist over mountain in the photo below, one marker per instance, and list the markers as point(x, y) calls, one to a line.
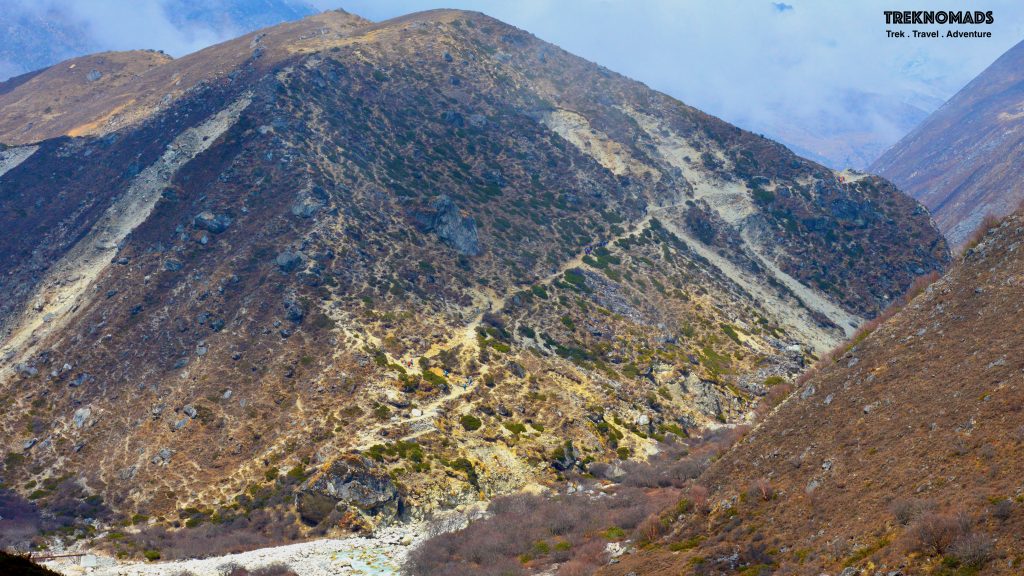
point(39, 33)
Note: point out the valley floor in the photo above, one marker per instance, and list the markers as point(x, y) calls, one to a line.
point(357, 556)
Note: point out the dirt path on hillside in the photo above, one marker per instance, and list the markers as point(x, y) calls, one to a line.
point(466, 337)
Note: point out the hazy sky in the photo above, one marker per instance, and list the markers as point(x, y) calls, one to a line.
point(757, 63)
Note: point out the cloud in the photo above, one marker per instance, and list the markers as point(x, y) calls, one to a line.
point(782, 7)
point(121, 25)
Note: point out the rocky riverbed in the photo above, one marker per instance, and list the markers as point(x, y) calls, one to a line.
point(380, 555)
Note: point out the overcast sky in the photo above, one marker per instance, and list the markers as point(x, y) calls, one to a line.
point(757, 63)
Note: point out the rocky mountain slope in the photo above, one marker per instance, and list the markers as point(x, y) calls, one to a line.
point(353, 271)
point(963, 161)
point(898, 457)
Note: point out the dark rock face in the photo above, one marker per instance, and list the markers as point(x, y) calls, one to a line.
point(450, 227)
point(351, 491)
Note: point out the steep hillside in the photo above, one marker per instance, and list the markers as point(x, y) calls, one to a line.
point(900, 457)
point(364, 270)
point(963, 161)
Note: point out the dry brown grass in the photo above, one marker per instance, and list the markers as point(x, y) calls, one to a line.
point(923, 424)
point(529, 532)
point(989, 222)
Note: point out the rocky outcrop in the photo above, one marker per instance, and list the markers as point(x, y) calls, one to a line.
point(351, 492)
point(453, 229)
point(214, 223)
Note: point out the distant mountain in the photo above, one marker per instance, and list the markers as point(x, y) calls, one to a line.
point(965, 161)
point(32, 39)
point(342, 271)
point(34, 35)
point(867, 125)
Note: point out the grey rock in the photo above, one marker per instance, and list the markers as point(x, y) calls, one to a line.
point(706, 396)
point(516, 369)
point(850, 571)
point(81, 416)
point(306, 207)
point(189, 411)
point(294, 310)
point(172, 265)
point(454, 230)
point(180, 424)
point(807, 392)
point(29, 444)
point(162, 457)
point(213, 223)
point(568, 460)
point(26, 370)
point(288, 261)
point(353, 484)
point(93, 75)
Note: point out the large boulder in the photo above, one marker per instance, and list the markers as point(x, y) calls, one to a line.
point(214, 223)
point(454, 230)
point(351, 493)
